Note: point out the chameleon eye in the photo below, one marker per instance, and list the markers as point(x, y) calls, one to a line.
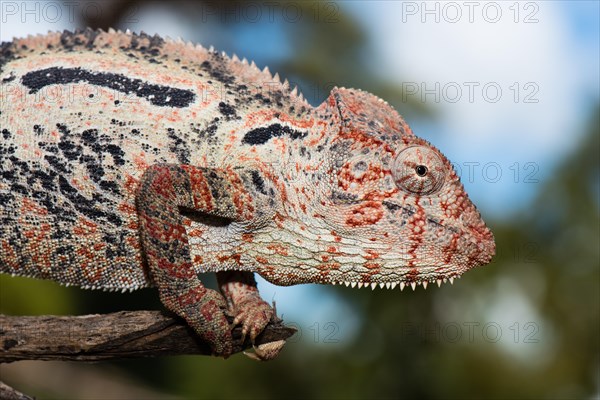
point(419, 169)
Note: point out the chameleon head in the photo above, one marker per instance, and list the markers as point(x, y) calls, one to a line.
point(388, 208)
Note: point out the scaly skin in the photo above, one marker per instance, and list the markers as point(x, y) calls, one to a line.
point(129, 161)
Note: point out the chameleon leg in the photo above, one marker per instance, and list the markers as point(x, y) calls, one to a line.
point(244, 301)
point(163, 189)
point(250, 310)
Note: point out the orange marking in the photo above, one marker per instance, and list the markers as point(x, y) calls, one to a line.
point(241, 198)
point(278, 249)
point(279, 219)
point(133, 242)
point(329, 266)
point(261, 260)
point(367, 213)
point(30, 207)
point(332, 249)
point(11, 256)
point(336, 237)
point(195, 232)
point(198, 260)
point(203, 199)
point(99, 246)
point(372, 266)
point(371, 255)
point(140, 163)
point(85, 227)
point(127, 208)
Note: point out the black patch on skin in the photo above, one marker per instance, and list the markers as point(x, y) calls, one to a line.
point(434, 221)
point(158, 95)
point(79, 37)
point(219, 191)
point(360, 166)
point(208, 134)
point(262, 99)
point(72, 150)
point(38, 130)
point(264, 134)
point(218, 73)
point(343, 197)
point(178, 147)
point(84, 205)
point(227, 110)
point(8, 78)
point(407, 211)
point(258, 182)
point(95, 169)
point(6, 134)
point(278, 96)
point(7, 53)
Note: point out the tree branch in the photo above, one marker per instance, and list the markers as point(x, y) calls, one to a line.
point(125, 334)
point(8, 393)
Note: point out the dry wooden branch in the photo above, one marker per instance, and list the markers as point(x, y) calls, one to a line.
point(125, 334)
point(8, 393)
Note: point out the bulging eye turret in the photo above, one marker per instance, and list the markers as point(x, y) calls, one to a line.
point(419, 170)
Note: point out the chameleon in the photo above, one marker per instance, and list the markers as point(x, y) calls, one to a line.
point(131, 161)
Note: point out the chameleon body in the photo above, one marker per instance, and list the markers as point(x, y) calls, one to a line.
point(129, 161)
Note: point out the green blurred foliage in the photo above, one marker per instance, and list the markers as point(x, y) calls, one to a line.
point(548, 263)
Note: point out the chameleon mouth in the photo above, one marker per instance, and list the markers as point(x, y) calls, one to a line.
point(390, 279)
point(394, 285)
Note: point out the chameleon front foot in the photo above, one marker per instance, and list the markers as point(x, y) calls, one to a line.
point(253, 314)
point(249, 310)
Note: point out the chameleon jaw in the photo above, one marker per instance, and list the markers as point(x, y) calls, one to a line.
point(393, 285)
point(285, 276)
